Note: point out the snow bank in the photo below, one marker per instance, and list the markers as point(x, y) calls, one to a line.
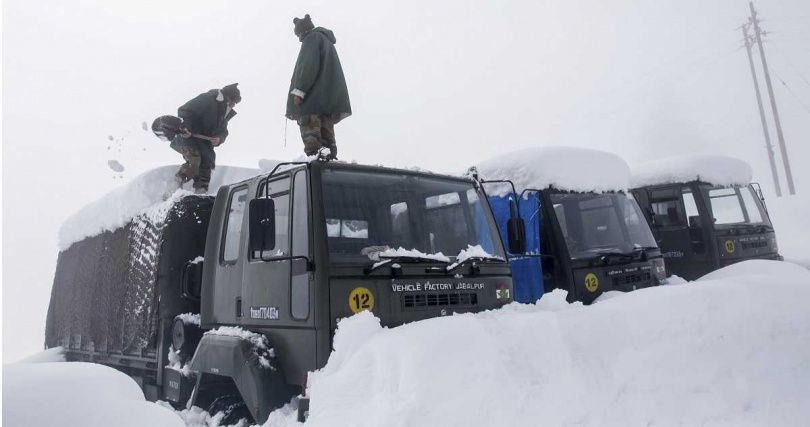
point(712, 169)
point(77, 395)
point(730, 349)
point(564, 168)
point(119, 206)
point(789, 216)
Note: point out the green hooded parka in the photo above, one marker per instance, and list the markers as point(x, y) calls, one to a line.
point(319, 76)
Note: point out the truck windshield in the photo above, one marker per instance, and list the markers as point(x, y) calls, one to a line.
point(735, 205)
point(369, 212)
point(599, 223)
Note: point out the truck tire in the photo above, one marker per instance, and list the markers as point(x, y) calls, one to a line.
point(233, 408)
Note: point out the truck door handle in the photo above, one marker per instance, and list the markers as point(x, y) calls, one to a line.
point(238, 306)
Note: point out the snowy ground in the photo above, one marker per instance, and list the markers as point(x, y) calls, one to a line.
point(789, 216)
point(730, 349)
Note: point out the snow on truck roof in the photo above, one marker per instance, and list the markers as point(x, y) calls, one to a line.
point(143, 195)
point(712, 169)
point(564, 168)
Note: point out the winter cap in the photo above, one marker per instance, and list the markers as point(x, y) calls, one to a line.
point(303, 25)
point(231, 91)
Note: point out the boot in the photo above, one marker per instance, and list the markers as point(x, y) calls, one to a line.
point(332, 152)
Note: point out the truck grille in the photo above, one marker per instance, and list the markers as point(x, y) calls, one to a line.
point(428, 300)
point(631, 279)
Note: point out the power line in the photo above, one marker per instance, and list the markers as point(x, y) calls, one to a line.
point(799, 100)
point(787, 61)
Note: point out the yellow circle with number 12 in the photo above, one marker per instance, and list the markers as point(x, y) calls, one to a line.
point(361, 299)
point(591, 282)
point(729, 246)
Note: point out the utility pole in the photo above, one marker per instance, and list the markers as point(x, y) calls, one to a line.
point(782, 148)
point(768, 146)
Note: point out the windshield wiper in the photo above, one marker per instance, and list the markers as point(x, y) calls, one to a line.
point(384, 260)
point(453, 267)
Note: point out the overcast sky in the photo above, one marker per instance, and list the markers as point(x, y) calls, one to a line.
point(440, 85)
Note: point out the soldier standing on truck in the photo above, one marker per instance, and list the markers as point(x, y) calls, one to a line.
point(205, 126)
point(318, 98)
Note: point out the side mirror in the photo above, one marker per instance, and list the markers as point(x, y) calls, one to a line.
point(191, 279)
point(515, 231)
point(262, 224)
point(695, 222)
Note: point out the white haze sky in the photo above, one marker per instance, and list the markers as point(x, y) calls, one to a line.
point(438, 84)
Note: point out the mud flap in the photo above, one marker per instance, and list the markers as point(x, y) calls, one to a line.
point(262, 387)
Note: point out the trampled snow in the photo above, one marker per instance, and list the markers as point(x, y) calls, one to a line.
point(712, 169)
point(730, 349)
point(564, 168)
point(75, 394)
point(143, 194)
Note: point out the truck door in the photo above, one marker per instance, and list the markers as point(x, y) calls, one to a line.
point(277, 283)
point(679, 231)
point(267, 274)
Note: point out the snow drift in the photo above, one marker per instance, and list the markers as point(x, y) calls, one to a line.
point(119, 206)
point(712, 169)
point(564, 168)
point(77, 395)
point(729, 349)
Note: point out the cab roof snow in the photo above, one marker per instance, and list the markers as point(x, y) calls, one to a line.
point(712, 169)
point(564, 168)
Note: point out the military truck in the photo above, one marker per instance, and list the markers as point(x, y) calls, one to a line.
point(584, 233)
point(271, 265)
point(705, 213)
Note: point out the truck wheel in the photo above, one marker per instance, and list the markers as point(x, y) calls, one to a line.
point(233, 408)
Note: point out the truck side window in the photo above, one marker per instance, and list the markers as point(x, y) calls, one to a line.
point(690, 206)
point(299, 285)
point(300, 215)
point(664, 204)
point(279, 191)
point(233, 225)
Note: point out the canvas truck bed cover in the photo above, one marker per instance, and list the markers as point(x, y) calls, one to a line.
point(111, 290)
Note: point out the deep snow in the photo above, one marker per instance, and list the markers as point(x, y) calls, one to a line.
point(732, 348)
point(76, 394)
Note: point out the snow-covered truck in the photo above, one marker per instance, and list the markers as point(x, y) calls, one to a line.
point(285, 255)
point(584, 232)
point(704, 212)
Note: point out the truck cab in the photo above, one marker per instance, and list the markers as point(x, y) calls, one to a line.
point(584, 242)
point(704, 212)
point(701, 227)
point(291, 252)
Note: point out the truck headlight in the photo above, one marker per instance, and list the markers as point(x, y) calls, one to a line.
point(659, 270)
